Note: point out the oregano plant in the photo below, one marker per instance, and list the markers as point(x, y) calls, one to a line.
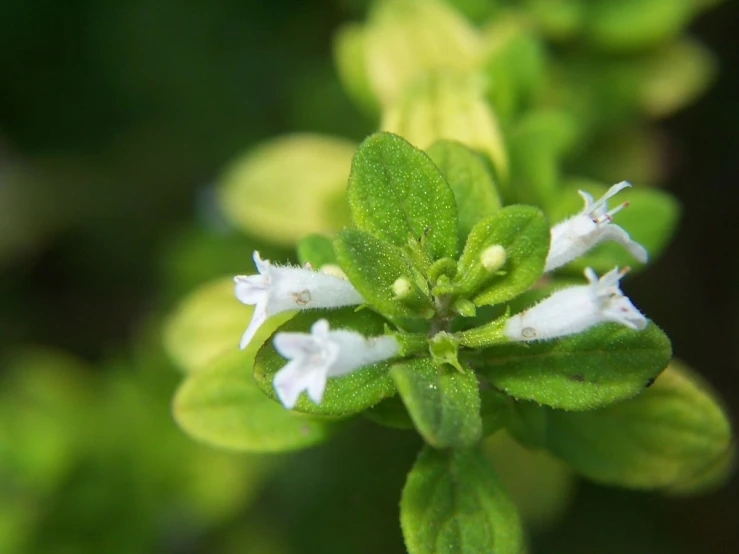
point(461, 272)
point(466, 331)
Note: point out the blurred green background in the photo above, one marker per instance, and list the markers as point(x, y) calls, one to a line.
point(116, 120)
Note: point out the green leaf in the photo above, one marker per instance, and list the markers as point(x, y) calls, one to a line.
point(515, 65)
point(524, 233)
point(710, 479)
point(628, 25)
point(224, 407)
point(316, 250)
point(632, 152)
point(676, 75)
point(540, 485)
point(449, 106)
point(209, 323)
point(453, 503)
point(373, 266)
point(537, 144)
point(396, 193)
point(470, 180)
point(263, 195)
point(670, 434)
point(495, 409)
point(391, 412)
point(344, 395)
point(600, 366)
point(443, 403)
point(406, 39)
point(351, 65)
point(650, 219)
point(559, 19)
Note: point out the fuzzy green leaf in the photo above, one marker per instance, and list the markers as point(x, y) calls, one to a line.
point(453, 503)
point(670, 434)
point(396, 192)
point(373, 266)
point(443, 403)
point(471, 182)
point(224, 407)
point(524, 233)
point(344, 395)
point(316, 250)
point(603, 365)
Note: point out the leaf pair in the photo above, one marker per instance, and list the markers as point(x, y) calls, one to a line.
point(409, 215)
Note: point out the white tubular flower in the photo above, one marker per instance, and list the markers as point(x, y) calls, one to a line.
point(574, 309)
point(320, 354)
point(278, 289)
point(576, 235)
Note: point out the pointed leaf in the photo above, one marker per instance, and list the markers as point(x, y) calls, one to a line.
point(670, 434)
point(600, 366)
point(396, 192)
point(443, 403)
point(224, 407)
point(470, 180)
point(346, 394)
point(524, 233)
point(453, 503)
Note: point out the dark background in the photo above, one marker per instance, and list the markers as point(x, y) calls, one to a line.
point(117, 115)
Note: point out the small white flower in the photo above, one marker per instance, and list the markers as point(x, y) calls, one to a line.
point(277, 289)
point(320, 354)
point(576, 235)
point(574, 309)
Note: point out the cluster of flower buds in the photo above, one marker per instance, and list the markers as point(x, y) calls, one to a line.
point(324, 353)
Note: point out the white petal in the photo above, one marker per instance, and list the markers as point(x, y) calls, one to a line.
point(261, 265)
point(250, 289)
point(588, 198)
point(320, 329)
point(258, 317)
point(590, 275)
point(616, 233)
point(622, 311)
point(293, 345)
point(293, 379)
point(316, 388)
point(601, 204)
